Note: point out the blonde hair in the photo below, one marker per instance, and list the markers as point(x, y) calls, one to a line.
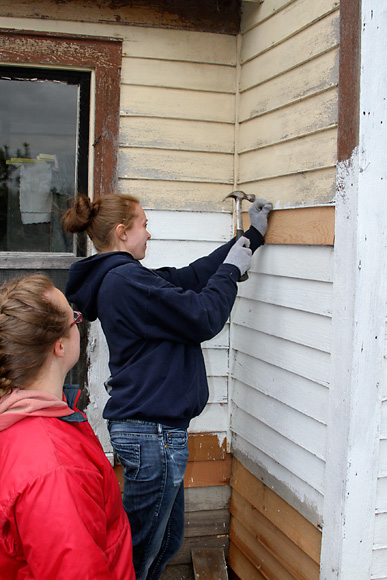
point(29, 325)
point(100, 217)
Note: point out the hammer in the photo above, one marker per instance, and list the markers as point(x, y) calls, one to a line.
point(239, 196)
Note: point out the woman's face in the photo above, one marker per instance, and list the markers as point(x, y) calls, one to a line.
point(135, 239)
point(72, 340)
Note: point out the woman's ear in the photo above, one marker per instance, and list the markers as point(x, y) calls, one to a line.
point(120, 231)
point(59, 349)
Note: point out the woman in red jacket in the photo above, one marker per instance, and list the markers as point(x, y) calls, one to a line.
point(61, 514)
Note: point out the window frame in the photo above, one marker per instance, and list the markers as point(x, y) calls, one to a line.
point(102, 57)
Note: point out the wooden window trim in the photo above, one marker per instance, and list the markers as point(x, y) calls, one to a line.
point(103, 56)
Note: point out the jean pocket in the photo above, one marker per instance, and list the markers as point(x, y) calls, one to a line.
point(177, 439)
point(129, 455)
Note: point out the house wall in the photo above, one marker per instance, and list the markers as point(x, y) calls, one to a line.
point(176, 154)
point(281, 323)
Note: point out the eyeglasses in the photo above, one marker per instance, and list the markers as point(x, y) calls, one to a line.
point(78, 318)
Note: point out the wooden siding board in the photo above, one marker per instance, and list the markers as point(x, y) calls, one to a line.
point(177, 104)
point(311, 42)
point(301, 360)
point(317, 151)
point(285, 24)
point(306, 295)
point(176, 134)
point(184, 195)
point(242, 565)
point(314, 77)
point(298, 493)
point(290, 556)
point(304, 226)
point(189, 226)
point(288, 520)
point(315, 186)
point(292, 390)
point(207, 498)
point(178, 74)
point(304, 328)
point(256, 552)
point(208, 473)
point(297, 460)
point(296, 120)
point(142, 163)
point(255, 12)
point(207, 523)
point(214, 417)
point(300, 262)
point(294, 426)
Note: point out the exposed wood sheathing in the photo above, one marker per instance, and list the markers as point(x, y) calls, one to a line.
point(269, 539)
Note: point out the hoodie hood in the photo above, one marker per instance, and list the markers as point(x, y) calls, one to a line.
point(85, 279)
point(20, 404)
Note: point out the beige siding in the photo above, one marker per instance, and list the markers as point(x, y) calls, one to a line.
point(287, 113)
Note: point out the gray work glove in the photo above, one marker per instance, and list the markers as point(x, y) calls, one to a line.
point(240, 255)
point(258, 212)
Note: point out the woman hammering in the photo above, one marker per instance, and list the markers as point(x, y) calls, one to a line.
point(154, 322)
point(61, 515)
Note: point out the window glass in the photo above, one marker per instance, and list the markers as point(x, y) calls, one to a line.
point(40, 144)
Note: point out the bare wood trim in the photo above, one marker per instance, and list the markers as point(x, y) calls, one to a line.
point(290, 556)
point(103, 56)
point(313, 226)
point(208, 473)
point(349, 78)
point(206, 447)
point(242, 565)
point(279, 513)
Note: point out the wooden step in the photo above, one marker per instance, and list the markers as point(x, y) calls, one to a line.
point(209, 564)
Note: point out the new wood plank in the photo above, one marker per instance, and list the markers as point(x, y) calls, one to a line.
point(257, 554)
point(208, 473)
point(280, 547)
point(177, 74)
point(312, 226)
point(207, 447)
point(311, 42)
point(242, 565)
point(291, 523)
point(154, 132)
point(177, 104)
point(284, 24)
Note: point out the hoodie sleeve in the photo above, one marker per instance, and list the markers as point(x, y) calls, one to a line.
point(137, 301)
point(196, 275)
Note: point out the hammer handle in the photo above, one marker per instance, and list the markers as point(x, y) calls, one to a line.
point(245, 276)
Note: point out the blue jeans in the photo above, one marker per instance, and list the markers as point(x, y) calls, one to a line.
point(154, 458)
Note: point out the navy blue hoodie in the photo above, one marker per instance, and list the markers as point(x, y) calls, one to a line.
point(154, 322)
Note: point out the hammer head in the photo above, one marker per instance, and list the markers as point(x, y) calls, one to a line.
point(240, 195)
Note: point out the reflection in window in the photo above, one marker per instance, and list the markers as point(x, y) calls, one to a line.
point(43, 145)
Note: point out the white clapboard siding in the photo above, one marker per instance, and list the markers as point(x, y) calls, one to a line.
point(214, 419)
point(183, 225)
point(280, 369)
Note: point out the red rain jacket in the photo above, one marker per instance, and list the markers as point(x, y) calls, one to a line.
point(61, 514)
